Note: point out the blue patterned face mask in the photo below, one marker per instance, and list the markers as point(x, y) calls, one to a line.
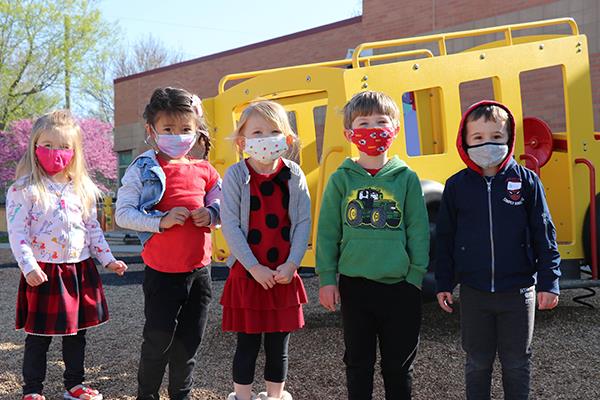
point(489, 154)
point(175, 146)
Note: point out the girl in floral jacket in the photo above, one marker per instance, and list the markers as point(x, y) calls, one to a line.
point(53, 233)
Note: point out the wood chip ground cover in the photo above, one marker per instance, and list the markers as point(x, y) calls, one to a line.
point(566, 362)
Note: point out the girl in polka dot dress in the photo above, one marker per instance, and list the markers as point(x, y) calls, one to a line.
point(266, 222)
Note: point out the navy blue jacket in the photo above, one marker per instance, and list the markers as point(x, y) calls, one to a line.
point(495, 234)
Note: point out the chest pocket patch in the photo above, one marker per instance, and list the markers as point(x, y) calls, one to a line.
point(514, 195)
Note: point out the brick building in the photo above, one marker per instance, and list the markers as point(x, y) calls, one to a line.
point(380, 20)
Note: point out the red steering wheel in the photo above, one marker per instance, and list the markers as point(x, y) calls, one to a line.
point(538, 141)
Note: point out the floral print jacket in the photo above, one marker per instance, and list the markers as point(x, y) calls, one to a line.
point(57, 235)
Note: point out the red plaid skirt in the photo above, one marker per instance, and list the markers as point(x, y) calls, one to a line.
point(71, 299)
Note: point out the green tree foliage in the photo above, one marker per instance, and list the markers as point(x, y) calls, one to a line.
point(144, 54)
point(47, 49)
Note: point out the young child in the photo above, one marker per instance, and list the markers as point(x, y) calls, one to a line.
point(374, 232)
point(494, 234)
point(266, 222)
point(173, 201)
point(53, 233)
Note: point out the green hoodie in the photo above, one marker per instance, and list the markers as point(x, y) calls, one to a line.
point(375, 227)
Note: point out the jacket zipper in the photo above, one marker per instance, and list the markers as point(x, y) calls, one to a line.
point(489, 190)
point(546, 220)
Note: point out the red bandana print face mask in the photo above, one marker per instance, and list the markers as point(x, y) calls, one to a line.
point(373, 141)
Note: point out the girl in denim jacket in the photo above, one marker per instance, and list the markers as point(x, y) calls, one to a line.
point(266, 222)
point(172, 200)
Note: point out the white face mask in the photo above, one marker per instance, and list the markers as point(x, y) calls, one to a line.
point(488, 155)
point(266, 149)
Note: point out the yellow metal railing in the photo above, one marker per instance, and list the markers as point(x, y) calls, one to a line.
point(441, 38)
point(336, 63)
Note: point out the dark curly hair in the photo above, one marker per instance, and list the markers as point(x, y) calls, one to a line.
point(178, 102)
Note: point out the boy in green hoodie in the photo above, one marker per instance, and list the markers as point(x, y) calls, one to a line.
point(374, 232)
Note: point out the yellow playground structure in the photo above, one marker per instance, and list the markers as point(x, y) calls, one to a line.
point(426, 78)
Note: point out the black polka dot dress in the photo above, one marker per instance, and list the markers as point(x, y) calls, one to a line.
point(247, 306)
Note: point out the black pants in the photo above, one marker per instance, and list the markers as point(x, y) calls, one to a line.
point(276, 357)
point(176, 310)
point(34, 361)
point(390, 314)
point(502, 323)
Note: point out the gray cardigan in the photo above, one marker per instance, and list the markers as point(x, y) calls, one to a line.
point(235, 213)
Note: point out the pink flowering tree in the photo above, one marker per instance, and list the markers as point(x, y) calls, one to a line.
point(99, 154)
point(97, 147)
point(13, 144)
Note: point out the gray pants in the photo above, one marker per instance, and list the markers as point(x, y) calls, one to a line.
point(502, 323)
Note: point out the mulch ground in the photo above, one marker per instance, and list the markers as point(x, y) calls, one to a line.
point(565, 363)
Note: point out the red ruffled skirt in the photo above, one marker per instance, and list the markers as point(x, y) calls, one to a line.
point(249, 308)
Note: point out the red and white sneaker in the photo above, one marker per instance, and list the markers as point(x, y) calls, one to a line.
point(82, 392)
point(33, 396)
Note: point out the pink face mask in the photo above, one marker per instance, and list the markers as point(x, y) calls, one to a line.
point(53, 160)
point(373, 141)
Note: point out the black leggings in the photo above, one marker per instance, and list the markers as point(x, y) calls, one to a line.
point(34, 361)
point(276, 357)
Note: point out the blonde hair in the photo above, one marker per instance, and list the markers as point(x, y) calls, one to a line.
point(368, 103)
point(63, 123)
point(272, 112)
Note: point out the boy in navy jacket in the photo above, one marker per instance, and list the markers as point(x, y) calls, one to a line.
point(496, 238)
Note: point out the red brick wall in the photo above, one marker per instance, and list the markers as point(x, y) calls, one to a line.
point(386, 19)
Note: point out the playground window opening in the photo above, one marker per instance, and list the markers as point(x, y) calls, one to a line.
point(422, 116)
point(319, 113)
point(473, 91)
point(544, 83)
point(294, 151)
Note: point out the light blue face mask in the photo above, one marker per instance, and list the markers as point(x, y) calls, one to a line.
point(489, 154)
point(175, 146)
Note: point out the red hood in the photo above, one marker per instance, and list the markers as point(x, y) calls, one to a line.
point(460, 144)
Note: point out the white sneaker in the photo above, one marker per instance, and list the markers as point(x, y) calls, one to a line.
point(284, 396)
point(232, 396)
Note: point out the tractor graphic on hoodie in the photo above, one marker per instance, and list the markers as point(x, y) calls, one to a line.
point(371, 208)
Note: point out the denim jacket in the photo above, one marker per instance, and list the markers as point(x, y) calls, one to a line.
point(143, 186)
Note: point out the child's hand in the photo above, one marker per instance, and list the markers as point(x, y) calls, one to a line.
point(118, 267)
point(285, 273)
point(329, 297)
point(201, 217)
point(547, 300)
point(36, 277)
point(445, 301)
point(176, 216)
point(263, 275)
